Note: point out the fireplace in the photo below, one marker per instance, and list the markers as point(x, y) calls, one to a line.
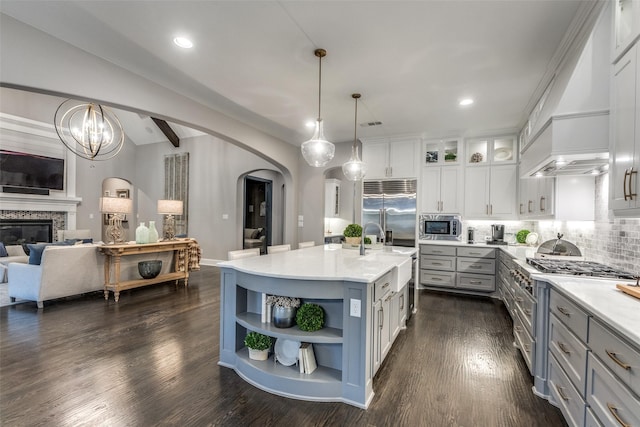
point(18, 231)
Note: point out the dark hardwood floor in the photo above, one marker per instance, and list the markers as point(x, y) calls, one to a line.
point(151, 359)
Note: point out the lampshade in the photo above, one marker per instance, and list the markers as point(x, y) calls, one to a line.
point(170, 207)
point(318, 151)
point(354, 169)
point(89, 130)
point(116, 205)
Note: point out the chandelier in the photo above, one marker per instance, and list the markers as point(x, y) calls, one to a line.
point(318, 151)
point(354, 169)
point(89, 130)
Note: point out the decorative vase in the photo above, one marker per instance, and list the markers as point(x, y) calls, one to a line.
point(258, 354)
point(142, 234)
point(153, 232)
point(149, 269)
point(283, 317)
point(353, 240)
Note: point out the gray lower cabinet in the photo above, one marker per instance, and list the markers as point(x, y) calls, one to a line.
point(458, 267)
point(389, 317)
point(593, 373)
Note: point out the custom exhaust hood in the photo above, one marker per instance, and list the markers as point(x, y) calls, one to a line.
point(576, 144)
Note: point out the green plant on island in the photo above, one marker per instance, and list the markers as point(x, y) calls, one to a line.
point(257, 341)
point(310, 317)
point(353, 230)
point(367, 241)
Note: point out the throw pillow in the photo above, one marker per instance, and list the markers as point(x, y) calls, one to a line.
point(35, 252)
point(25, 248)
point(256, 233)
point(3, 250)
point(248, 232)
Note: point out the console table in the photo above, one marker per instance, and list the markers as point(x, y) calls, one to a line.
point(113, 253)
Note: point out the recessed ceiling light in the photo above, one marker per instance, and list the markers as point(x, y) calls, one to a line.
point(183, 42)
point(466, 101)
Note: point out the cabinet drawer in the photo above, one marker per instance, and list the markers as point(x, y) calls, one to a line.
point(524, 341)
point(437, 278)
point(609, 399)
point(438, 262)
point(476, 252)
point(476, 282)
point(569, 314)
point(382, 286)
point(437, 250)
point(621, 359)
point(570, 352)
point(565, 395)
point(526, 305)
point(477, 265)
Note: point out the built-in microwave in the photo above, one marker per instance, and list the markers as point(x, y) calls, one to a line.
point(440, 227)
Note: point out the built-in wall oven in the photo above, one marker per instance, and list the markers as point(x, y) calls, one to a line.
point(440, 227)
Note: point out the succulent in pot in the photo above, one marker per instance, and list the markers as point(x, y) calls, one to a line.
point(352, 234)
point(258, 345)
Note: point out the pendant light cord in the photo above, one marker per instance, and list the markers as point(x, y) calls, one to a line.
point(319, 55)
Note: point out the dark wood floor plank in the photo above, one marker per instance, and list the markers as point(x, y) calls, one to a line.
point(151, 359)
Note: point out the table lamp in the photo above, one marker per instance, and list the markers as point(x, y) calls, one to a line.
point(170, 208)
point(116, 208)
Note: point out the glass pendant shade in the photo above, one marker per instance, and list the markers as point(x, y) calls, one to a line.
point(89, 130)
point(318, 151)
point(354, 169)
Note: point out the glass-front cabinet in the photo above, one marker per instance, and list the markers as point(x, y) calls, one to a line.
point(627, 25)
point(500, 150)
point(442, 152)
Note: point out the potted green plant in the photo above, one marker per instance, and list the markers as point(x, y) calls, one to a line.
point(353, 234)
point(284, 310)
point(310, 317)
point(258, 345)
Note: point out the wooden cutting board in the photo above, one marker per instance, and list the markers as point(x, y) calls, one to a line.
point(630, 289)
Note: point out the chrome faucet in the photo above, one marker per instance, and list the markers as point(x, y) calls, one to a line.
point(362, 252)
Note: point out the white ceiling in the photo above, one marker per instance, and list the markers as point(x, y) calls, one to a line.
point(412, 61)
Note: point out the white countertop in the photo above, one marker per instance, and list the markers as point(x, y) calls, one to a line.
point(325, 262)
point(601, 298)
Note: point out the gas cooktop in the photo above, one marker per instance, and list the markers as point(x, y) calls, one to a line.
point(578, 268)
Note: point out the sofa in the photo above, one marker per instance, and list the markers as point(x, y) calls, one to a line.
point(255, 238)
point(70, 270)
point(15, 253)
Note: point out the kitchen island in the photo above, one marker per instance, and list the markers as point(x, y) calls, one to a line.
point(346, 285)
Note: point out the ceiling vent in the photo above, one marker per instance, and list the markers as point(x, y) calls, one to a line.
point(369, 124)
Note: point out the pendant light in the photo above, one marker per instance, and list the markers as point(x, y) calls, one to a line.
point(318, 151)
point(89, 130)
point(354, 169)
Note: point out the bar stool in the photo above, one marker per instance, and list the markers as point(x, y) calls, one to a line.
point(308, 244)
point(278, 248)
point(243, 253)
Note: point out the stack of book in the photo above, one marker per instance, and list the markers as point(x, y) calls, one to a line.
point(306, 358)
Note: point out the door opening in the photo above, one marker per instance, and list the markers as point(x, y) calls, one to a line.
point(257, 213)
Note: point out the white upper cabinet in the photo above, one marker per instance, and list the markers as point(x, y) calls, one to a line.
point(490, 192)
point(441, 190)
point(442, 152)
point(502, 150)
point(625, 143)
point(394, 158)
point(331, 198)
point(626, 25)
point(537, 198)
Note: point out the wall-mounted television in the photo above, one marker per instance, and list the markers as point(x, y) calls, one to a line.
point(31, 171)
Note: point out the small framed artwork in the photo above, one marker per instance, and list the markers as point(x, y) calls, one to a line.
point(122, 193)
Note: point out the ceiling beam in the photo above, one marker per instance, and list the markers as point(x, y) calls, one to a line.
point(168, 132)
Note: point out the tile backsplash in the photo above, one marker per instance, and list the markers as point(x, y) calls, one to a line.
point(615, 242)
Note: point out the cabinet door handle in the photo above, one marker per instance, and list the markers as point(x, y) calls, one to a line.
point(521, 208)
point(381, 323)
point(436, 263)
point(475, 282)
point(475, 253)
point(614, 357)
point(402, 302)
point(631, 193)
point(386, 285)
point(624, 184)
point(614, 412)
point(527, 312)
point(436, 279)
point(487, 208)
point(542, 203)
point(527, 348)
point(390, 170)
point(475, 266)
point(437, 252)
point(518, 329)
point(563, 311)
point(529, 204)
point(561, 393)
point(563, 348)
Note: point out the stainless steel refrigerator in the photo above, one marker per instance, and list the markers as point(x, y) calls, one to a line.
point(392, 205)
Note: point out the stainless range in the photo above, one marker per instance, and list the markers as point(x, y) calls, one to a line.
point(577, 268)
